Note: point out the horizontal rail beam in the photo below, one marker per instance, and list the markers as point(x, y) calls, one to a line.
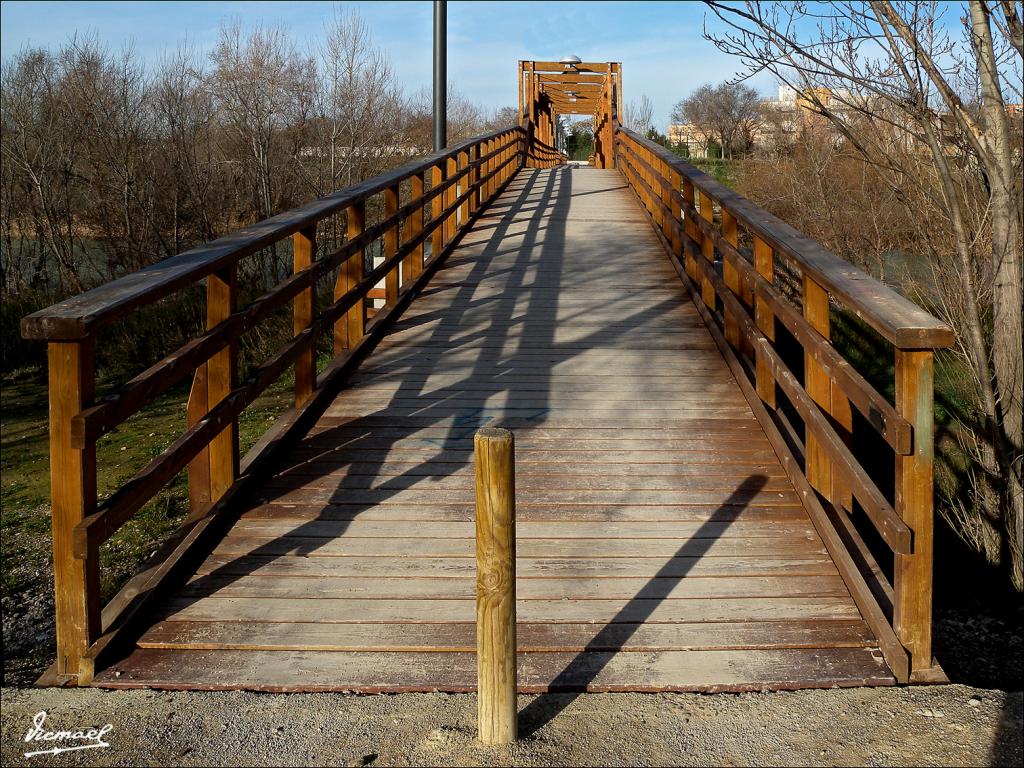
point(895, 317)
point(81, 316)
point(132, 496)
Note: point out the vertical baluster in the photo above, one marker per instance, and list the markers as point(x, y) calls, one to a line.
point(221, 303)
point(912, 583)
point(820, 473)
point(436, 205)
point(451, 167)
point(391, 235)
point(348, 331)
point(215, 468)
point(303, 310)
point(818, 468)
point(765, 319)
point(690, 228)
point(412, 265)
point(478, 173)
point(673, 201)
point(463, 186)
point(196, 408)
point(707, 212)
point(731, 277)
point(73, 494)
point(472, 176)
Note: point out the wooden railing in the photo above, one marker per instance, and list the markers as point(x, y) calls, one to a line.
point(736, 258)
point(454, 184)
point(543, 155)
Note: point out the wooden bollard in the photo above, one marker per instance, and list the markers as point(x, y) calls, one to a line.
point(495, 586)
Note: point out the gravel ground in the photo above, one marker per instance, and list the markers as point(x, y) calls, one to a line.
point(941, 725)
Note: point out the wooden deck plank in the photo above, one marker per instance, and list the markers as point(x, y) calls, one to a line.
point(239, 543)
point(660, 543)
point(341, 481)
point(433, 567)
point(423, 494)
point(713, 670)
point(557, 473)
point(455, 513)
point(331, 610)
point(258, 584)
point(531, 637)
point(526, 530)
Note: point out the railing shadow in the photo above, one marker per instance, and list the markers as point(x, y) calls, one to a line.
point(585, 667)
point(426, 425)
point(375, 446)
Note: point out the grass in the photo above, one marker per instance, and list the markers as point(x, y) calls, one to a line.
point(25, 486)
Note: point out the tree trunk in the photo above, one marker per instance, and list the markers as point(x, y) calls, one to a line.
point(1007, 300)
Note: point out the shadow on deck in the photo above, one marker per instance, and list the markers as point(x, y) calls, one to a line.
point(661, 545)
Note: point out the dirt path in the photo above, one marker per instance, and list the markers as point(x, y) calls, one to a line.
point(947, 725)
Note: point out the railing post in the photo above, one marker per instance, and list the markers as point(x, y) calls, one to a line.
point(707, 246)
point(303, 309)
point(488, 165)
point(660, 192)
point(73, 495)
point(436, 206)
point(451, 168)
point(221, 303)
point(472, 176)
point(412, 265)
point(463, 185)
point(391, 199)
point(912, 582)
point(822, 476)
point(214, 470)
point(349, 329)
point(495, 585)
point(818, 468)
point(478, 196)
point(731, 277)
point(765, 319)
point(690, 228)
point(675, 180)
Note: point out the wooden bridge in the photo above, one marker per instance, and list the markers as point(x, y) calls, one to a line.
point(700, 498)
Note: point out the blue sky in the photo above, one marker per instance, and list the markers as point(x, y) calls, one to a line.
point(659, 43)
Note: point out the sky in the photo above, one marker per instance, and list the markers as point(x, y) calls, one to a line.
point(659, 43)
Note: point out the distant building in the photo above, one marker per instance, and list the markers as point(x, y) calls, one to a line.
point(693, 138)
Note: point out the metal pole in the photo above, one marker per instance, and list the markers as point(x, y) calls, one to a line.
point(440, 75)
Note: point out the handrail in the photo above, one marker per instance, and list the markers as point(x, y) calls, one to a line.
point(463, 179)
point(81, 315)
point(699, 221)
point(896, 318)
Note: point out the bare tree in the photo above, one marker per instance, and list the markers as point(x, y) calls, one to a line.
point(637, 115)
point(896, 78)
point(465, 119)
point(360, 103)
point(730, 112)
point(503, 117)
point(108, 165)
point(263, 87)
point(185, 116)
point(40, 147)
